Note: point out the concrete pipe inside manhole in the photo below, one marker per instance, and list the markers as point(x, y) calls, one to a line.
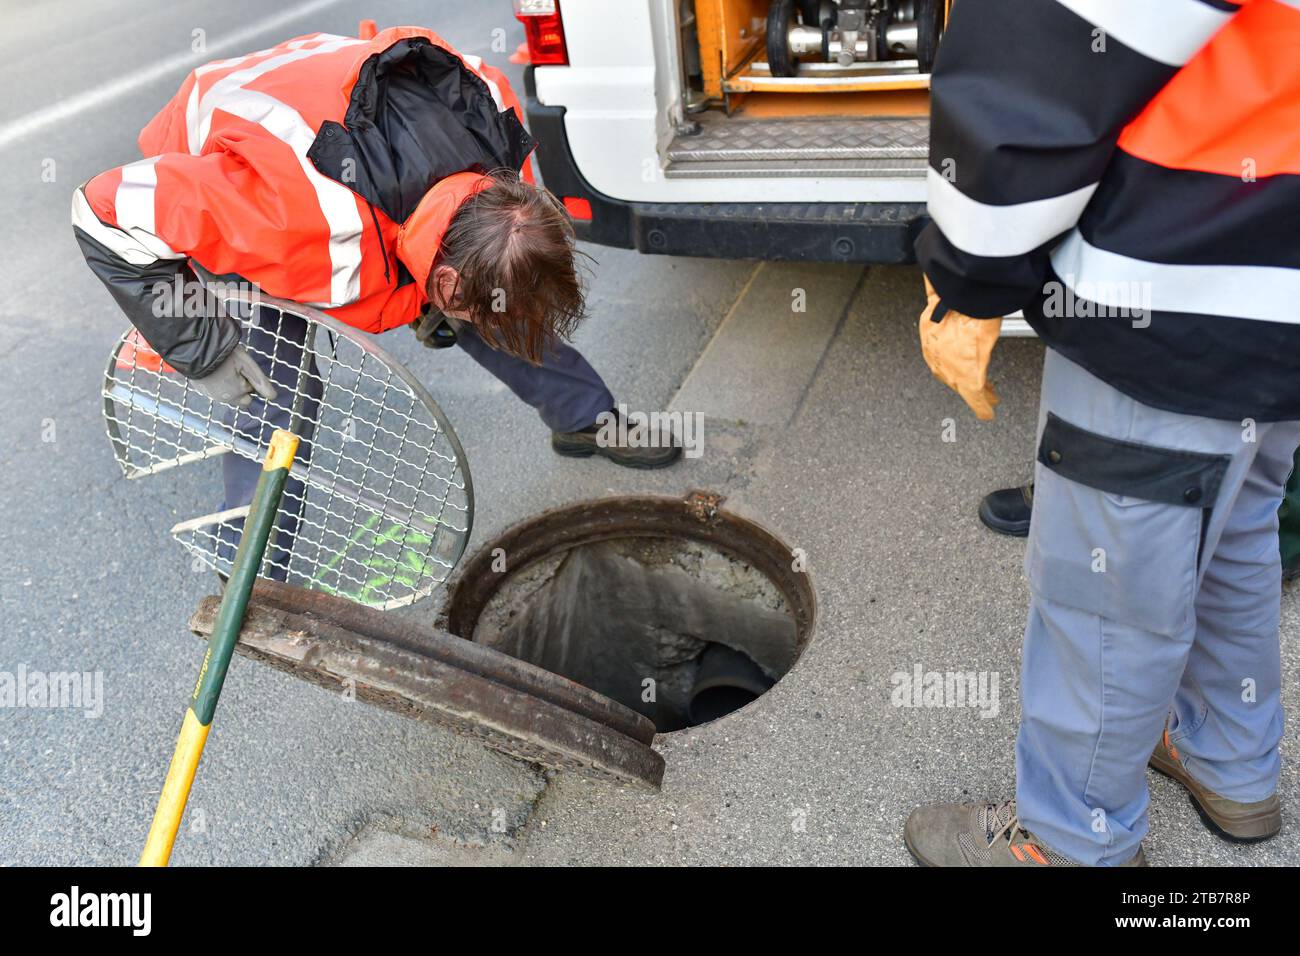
point(674, 607)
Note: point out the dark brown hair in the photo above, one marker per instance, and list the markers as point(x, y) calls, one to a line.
point(513, 247)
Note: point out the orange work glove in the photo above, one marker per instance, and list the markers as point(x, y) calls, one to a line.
point(957, 349)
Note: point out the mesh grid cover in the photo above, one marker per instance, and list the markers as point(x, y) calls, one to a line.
point(379, 504)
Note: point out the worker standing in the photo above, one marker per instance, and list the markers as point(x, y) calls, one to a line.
point(1127, 174)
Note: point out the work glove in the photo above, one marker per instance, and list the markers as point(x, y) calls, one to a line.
point(434, 330)
point(957, 349)
point(235, 380)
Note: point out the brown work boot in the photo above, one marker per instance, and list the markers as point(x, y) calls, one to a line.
point(980, 834)
point(1238, 822)
point(623, 444)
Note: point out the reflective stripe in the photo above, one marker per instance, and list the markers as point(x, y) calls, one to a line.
point(297, 50)
point(192, 117)
point(133, 238)
point(338, 204)
point(1169, 31)
point(133, 247)
point(192, 104)
point(1266, 293)
point(1013, 230)
point(134, 201)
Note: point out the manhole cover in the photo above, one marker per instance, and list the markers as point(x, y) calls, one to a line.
point(582, 633)
point(391, 662)
point(674, 607)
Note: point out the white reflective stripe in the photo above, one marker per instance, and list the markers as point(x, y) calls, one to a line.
point(1266, 293)
point(134, 238)
point(337, 203)
point(987, 230)
point(196, 142)
point(192, 104)
point(475, 63)
point(134, 246)
point(1169, 31)
point(134, 200)
point(298, 50)
point(320, 38)
point(1291, 3)
point(192, 118)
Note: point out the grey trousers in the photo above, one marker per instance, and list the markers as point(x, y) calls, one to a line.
point(1154, 594)
point(566, 391)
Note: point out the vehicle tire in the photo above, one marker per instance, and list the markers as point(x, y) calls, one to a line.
point(929, 25)
point(809, 10)
point(779, 60)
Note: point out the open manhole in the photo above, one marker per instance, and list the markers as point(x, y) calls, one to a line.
point(673, 607)
point(575, 637)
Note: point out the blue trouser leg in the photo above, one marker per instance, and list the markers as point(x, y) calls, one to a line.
point(1227, 719)
point(566, 391)
point(276, 342)
point(1140, 606)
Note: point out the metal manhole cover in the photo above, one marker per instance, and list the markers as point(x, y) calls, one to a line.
point(506, 704)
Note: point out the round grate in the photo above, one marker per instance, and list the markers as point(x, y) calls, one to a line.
point(379, 505)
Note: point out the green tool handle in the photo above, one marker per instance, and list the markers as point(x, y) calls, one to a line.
point(248, 559)
point(221, 647)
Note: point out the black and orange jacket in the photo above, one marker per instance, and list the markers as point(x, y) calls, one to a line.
point(1127, 172)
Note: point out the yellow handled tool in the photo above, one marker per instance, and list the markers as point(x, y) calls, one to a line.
point(221, 647)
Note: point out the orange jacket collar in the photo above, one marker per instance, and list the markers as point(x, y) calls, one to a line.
point(420, 237)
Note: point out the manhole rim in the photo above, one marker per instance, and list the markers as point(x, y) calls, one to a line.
point(697, 515)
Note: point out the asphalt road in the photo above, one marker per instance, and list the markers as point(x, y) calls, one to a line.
point(844, 456)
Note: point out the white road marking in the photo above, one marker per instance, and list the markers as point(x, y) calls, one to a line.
point(181, 62)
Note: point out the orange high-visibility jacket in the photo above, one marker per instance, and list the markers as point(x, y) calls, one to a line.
point(1128, 173)
point(292, 168)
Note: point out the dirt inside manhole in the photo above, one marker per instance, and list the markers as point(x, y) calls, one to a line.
point(679, 627)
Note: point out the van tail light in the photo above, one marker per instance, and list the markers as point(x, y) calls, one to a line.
point(578, 207)
point(544, 31)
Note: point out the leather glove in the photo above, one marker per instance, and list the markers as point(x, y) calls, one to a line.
point(235, 380)
point(957, 349)
point(434, 330)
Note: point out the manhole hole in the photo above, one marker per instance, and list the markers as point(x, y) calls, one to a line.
point(674, 607)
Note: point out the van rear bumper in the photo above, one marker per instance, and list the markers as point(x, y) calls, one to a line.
point(874, 232)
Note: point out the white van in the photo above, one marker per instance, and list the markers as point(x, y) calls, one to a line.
point(759, 129)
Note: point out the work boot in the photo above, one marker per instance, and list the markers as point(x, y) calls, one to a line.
point(644, 450)
point(1007, 510)
point(1291, 569)
point(1237, 822)
point(980, 834)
